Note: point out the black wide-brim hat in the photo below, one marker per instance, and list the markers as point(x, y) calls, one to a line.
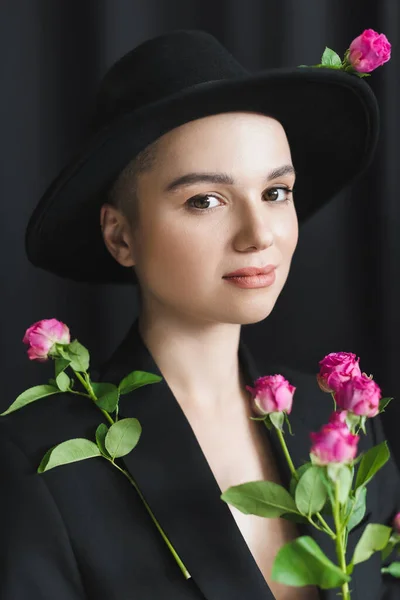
point(330, 117)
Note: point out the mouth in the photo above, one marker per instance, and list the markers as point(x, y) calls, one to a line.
point(251, 271)
point(253, 281)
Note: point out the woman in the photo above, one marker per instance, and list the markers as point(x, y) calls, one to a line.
point(190, 169)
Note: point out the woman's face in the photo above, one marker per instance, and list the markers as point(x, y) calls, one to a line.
point(190, 236)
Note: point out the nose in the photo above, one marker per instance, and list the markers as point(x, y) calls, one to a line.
point(255, 225)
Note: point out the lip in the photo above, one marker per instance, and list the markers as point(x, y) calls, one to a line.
point(255, 281)
point(251, 271)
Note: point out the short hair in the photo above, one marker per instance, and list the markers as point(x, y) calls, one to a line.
point(123, 192)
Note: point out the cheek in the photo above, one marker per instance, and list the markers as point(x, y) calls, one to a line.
point(172, 251)
point(293, 238)
point(287, 234)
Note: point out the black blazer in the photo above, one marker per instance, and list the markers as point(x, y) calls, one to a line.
point(80, 531)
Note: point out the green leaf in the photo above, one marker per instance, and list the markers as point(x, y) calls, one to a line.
point(31, 395)
point(374, 538)
point(60, 364)
point(333, 471)
point(352, 420)
point(357, 459)
point(101, 433)
point(383, 402)
point(363, 421)
point(266, 420)
point(137, 379)
point(303, 468)
point(302, 562)
point(371, 462)
point(392, 569)
point(330, 501)
point(328, 485)
point(390, 546)
point(68, 452)
point(77, 354)
point(277, 419)
point(63, 381)
point(293, 482)
point(107, 396)
point(345, 479)
point(359, 508)
point(262, 498)
point(330, 59)
point(295, 517)
point(288, 424)
point(122, 437)
point(310, 492)
point(319, 65)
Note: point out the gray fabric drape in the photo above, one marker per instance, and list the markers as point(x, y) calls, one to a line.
point(343, 291)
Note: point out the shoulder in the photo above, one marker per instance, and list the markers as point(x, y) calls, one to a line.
point(46, 422)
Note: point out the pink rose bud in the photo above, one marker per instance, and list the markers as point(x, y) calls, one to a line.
point(369, 51)
point(396, 523)
point(334, 443)
point(360, 395)
point(42, 336)
point(272, 393)
point(338, 418)
point(335, 369)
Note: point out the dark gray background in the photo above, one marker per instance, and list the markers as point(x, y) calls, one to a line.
point(343, 292)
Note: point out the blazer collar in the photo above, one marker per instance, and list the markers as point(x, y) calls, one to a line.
point(173, 475)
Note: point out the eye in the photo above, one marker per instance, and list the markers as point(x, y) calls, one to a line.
point(273, 195)
point(200, 199)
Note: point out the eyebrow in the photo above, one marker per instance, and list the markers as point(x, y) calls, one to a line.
point(221, 178)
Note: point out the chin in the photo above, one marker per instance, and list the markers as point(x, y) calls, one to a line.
point(252, 321)
point(254, 314)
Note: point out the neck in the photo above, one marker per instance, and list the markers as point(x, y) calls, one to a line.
point(199, 361)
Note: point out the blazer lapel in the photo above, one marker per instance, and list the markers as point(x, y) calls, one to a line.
point(174, 477)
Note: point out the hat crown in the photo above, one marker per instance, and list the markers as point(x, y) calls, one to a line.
point(160, 67)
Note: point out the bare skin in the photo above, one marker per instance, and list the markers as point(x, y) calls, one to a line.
point(236, 453)
point(191, 317)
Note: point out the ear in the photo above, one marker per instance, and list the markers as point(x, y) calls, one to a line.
point(117, 235)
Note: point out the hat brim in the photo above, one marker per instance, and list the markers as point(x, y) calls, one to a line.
point(331, 120)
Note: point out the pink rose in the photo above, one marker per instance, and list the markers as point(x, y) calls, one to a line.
point(396, 523)
point(360, 395)
point(272, 393)
point(42, 336)
point(335, 369)
point(338, 419)
point(334, 443)
point(369, 51)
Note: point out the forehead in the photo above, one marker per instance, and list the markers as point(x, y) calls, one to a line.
point(237, 123)
point(236, 138)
